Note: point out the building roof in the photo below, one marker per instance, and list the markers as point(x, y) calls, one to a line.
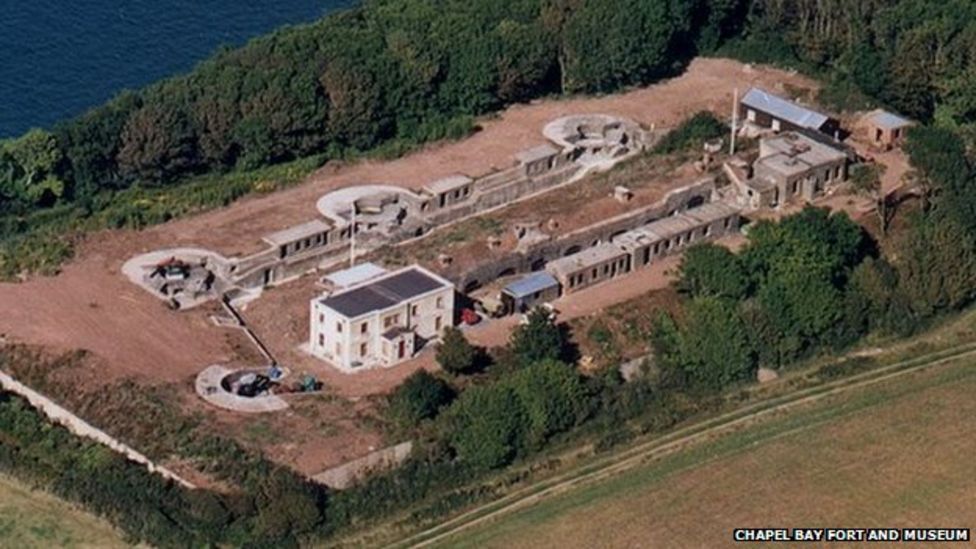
point(669, 226)
point(448, 183)
point(385, 292)
point(791, 153)
point(711, 212)
point(601, 253)
point(536, 153)
point(783, 109)
point(297, 232)
point(354, 275)
point(887, 120)
point(634, 239)
point(530, 284)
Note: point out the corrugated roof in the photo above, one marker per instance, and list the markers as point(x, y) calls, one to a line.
point(888, 120)
point(383, 293)
point(298, 232)
point(530, 284)
point(784, 109)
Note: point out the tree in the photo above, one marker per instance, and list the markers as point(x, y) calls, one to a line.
point(538, 339)
point(420, 396)
point(711, 270)
point(553, 397)
point(485, 426)
point(936, 263)
point(454, 353)
point(30, 168)
point(939, 157)
point(715, 348)
point(610, 43)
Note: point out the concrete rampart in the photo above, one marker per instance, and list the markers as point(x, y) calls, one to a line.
point(348, 473)
point(80, 427)
point(534, 257)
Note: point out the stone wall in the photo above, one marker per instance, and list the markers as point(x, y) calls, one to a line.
point(535, 257)
point(80, 427)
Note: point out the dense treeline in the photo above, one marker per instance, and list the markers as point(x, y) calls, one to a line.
point(391, 73)
point(917, 56)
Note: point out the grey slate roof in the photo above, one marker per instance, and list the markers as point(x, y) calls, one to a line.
point(383, 293)
point(783, 109)
point(530, 284)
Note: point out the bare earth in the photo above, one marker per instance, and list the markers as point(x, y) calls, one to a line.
point(91, 306)
point(895, 461)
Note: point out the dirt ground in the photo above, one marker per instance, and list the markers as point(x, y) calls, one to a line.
point(895, 457)
point(91, 306)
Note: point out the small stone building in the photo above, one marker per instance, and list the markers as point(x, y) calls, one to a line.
point(791, 168)
point(763, 109)
point(450, 190)
point(884, 130)
point(529, 291)
point(590, 266)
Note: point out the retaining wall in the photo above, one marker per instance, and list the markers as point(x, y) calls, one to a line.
point(80, 427)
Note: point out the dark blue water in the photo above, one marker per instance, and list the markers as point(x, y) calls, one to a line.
point(60, 57)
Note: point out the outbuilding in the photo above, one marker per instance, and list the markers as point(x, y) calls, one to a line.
point(885, 130)
point(529, 291)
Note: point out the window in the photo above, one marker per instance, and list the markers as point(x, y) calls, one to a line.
point(321, 318)
point(594, 273)
point(363, 347)
point(437, 324)
point(339, 327)
point(321, 340)
point(413, 310)
point(391, 320)
point(440, 303)
point(364, 327)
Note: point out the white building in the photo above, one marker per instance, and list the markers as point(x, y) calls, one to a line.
point(382, 321)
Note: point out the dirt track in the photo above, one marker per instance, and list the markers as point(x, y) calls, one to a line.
point(91, 306)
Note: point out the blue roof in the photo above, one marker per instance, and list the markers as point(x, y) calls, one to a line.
point(889, 121)
point(531, 284)
point(784, 110)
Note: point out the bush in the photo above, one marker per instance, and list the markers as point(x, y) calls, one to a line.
point(694, 131)
point(420, 396)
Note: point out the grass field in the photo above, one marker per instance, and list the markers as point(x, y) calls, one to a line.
point(30, 518)
point(894, 454)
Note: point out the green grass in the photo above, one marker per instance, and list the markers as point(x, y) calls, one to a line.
point(802, 440)
point(30, 518)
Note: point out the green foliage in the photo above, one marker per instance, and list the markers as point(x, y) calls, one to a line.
point(613, 43)
point(711, 270)
point(487, 426)
point(454, 353)
point(936, 265)
point(30, 171)
point(420, 396)
point(553, 398)
point(701, 127)
point(712, 348)
point(538, 339)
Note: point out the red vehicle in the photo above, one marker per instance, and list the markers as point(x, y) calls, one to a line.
point(469, 317)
